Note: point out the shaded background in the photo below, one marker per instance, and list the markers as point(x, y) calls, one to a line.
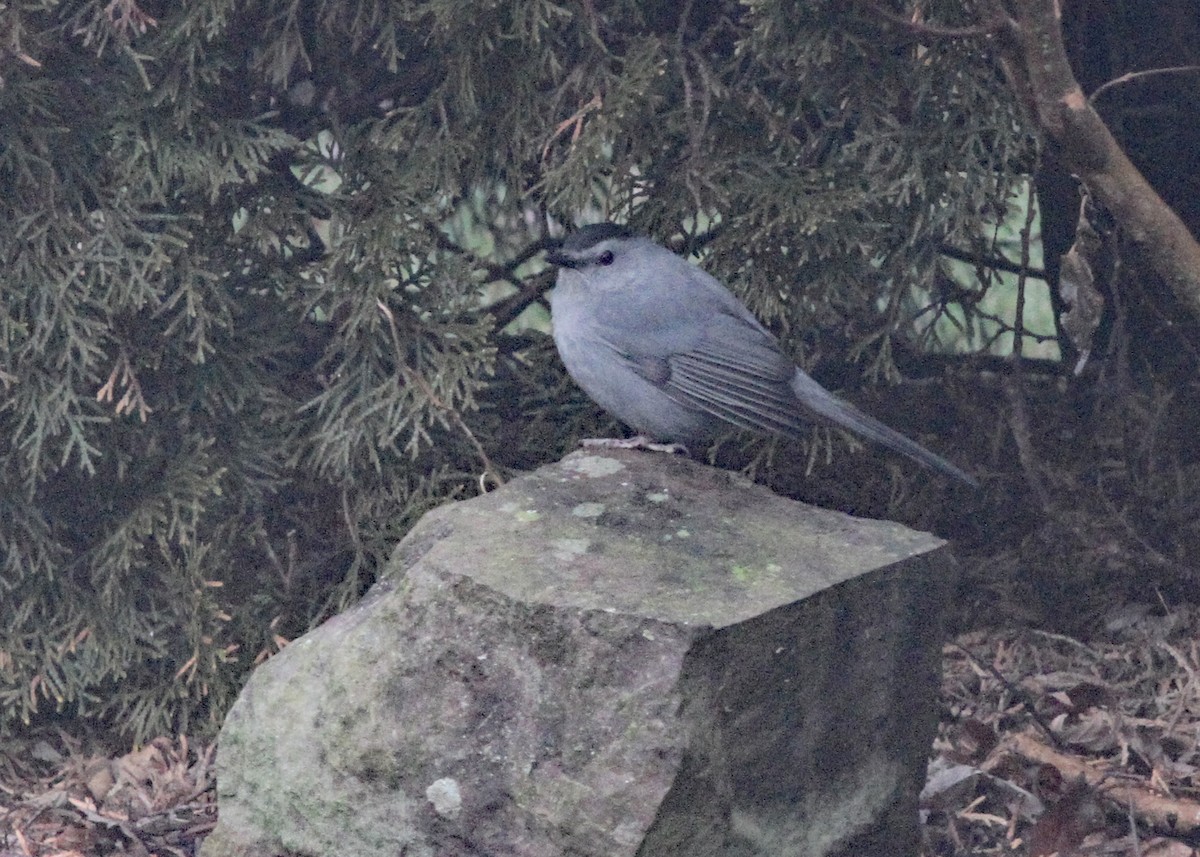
point(270, 290)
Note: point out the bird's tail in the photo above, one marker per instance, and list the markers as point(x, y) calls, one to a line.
point(843, 414)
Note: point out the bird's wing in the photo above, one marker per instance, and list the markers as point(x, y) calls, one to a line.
point(724, 363)
point(733, 370)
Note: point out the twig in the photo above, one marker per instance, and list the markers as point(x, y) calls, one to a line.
point(1022, 279)
point(507, 309)
point(1173, 816)
point(1022, 433)
point(504, 311)
point(1017, 693)
point(575, 121)
point(494, 271)
point(919, 28)
point(1136, 75)
point(999, 263)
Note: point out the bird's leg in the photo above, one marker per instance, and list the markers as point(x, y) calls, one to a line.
point(636, 442)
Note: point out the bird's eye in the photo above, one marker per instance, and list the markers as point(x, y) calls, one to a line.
point(605, 258)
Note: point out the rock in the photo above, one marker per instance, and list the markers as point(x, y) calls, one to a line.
point(622, 653)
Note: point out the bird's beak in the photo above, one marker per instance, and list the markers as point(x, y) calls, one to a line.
point(555, 257)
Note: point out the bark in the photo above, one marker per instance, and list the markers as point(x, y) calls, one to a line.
point(1035, 59)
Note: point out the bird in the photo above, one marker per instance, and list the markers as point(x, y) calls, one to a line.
point(665, 348)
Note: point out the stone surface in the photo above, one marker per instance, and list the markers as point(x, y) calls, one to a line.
point(620, 654)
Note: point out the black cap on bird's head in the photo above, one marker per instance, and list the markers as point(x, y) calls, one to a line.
point(573, 252)
point(587, 236)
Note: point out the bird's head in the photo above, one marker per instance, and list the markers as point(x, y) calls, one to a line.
point(598, 245)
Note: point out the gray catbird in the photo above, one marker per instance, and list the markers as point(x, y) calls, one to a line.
point(667, 349)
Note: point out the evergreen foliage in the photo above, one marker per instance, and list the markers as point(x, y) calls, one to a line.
point(253, 254)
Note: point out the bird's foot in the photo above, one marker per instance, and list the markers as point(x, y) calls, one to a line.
point(637, 442)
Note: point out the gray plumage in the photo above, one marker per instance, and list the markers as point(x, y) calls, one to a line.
point(665, 348)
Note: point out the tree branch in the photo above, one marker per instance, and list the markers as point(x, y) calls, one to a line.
point(916, 27)
point(1036, 60)
point(998, 263)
